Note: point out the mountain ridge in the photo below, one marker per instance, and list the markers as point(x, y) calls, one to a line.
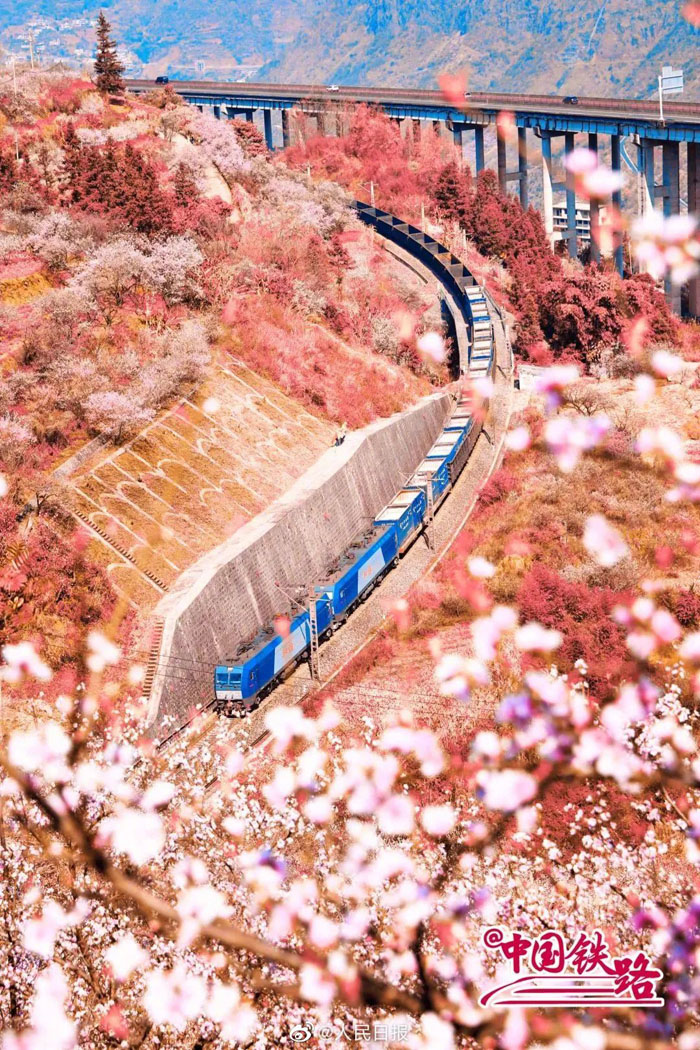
point(599, 47)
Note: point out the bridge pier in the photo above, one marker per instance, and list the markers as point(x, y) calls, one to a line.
point(693, 206)
point(648, 190)
point(645, 163)
point(267, 125)
point(595, 209)
point(286, 135)
point(501, 163)
point(457, 138)
point(571, 238)
point(669, 195)
point(547, 187)
point(522, 168)
point(479, 148)
point(670, 161)
point(415, 129)
point(325, 122)
point(217, 112)
point(519, 175)
point(617, 203)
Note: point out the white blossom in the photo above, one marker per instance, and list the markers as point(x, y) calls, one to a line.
point(125, 956)
point(603, 542)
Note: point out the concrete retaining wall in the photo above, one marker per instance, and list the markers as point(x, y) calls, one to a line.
point(223, 598)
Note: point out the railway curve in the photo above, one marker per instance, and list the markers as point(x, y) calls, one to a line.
point(437, 261)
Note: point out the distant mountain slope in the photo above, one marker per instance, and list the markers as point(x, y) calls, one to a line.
point(535, 45)
point(606, 47)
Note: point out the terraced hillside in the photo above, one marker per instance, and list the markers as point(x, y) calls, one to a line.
point(193, 477)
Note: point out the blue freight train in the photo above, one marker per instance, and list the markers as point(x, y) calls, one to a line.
point(264, 661)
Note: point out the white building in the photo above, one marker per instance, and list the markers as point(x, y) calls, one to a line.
point(583, 220)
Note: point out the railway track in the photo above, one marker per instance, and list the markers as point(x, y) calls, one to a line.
point(418, 563)
point(370, 618)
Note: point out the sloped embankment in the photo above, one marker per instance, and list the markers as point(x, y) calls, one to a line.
point(193, 477)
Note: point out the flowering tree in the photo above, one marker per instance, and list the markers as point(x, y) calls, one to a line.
point(115, 414)
point(111, 273)
point(57, 237)
point(65, 309)
point(115, 270)
point(171, 269)
point(218, 140)
point(322, 206)
point(15, 438)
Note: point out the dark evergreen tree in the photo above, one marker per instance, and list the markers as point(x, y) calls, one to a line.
point(250, 138)
point(184, 186)
point(528, 332)
point(47, 175)
point(108, 68)
point(72, 161)
point(451, 192)
point(117, 182)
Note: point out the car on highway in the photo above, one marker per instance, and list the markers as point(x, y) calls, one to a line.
point(333, 87)
point(162, 80)
point(571, 100)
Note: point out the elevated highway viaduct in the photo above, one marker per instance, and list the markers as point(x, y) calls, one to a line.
point(546, 118)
